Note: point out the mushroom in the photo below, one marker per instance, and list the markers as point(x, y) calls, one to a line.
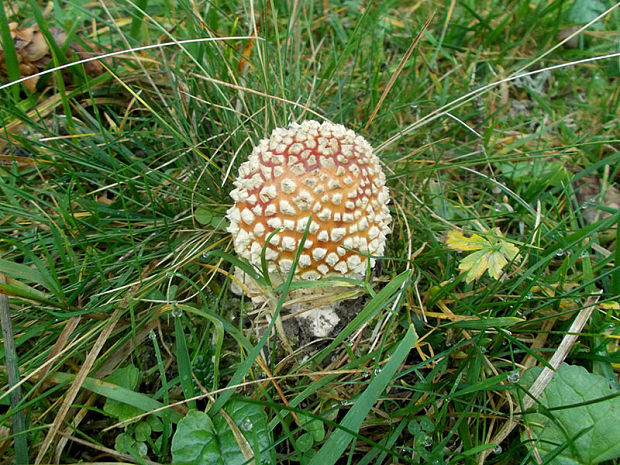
point(320, 173)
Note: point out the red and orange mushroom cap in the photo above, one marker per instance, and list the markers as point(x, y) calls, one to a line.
point(317, 172)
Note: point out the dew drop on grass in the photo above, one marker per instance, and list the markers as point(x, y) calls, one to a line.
point(176, 311)
point(152, 335)
point(514, 377)
point(377, 371)
point(246, 425)
point(497, 449)
point(559, 253)
point(529, 296)
point(428, 441)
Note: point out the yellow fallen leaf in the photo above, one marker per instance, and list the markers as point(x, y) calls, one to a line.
point(458, 241)
point(497, 262)
point(475, 264)
point(490, 254)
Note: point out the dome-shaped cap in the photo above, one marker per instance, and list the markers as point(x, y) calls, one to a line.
point(311, 169)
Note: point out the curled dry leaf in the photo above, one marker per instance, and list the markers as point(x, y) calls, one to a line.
point(34, 54)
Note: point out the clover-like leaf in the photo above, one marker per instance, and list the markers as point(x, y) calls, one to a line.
point(490, 253)
point(578, 418)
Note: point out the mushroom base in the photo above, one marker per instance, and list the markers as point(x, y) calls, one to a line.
point(320, 321)
point(307, 314)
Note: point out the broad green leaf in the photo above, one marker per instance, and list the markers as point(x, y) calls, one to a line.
point(184, 364)
point(127, 377)
point(18, 289)
point(582, 434)
point(528, 173)
point(201, 440)
point(584, 11)
point(26, 273)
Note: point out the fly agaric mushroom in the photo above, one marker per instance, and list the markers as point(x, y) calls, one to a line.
point(322, 173)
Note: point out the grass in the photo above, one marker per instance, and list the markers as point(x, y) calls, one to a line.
point(113, 192)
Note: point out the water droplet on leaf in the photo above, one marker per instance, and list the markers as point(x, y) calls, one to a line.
point(514, 377)
point(246, 424)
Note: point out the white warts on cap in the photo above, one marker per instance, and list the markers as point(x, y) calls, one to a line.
point(318, 171)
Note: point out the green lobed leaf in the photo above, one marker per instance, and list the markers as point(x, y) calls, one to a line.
point(127, 377)
point(304, 442)
point(313, 426)
point(200, 440)
point(207, 217)
point(566, 433)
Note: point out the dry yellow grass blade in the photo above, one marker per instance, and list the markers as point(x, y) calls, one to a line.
point(77, 384)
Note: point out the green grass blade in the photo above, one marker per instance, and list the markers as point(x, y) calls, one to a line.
point(19, 289)
point(254, 353)
point(485, 323)
point(370, 309)
point(121, 394)
point(12, 371)
point(8, 49)
point(616, 273)
point(337, 443)
point(167, 427)
point(138, 19)
point(242, 265)
point(183, 361)
point(25, 273)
